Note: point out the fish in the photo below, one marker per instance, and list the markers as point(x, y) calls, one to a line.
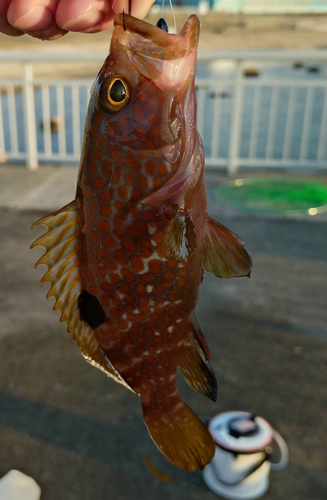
point(127, 256)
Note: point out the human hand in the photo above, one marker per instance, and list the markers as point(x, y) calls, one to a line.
point(51, 19)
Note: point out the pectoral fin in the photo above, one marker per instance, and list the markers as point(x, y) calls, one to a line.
point(224, 252)
point(180, 237)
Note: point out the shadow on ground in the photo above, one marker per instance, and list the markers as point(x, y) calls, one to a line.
point(81, 436)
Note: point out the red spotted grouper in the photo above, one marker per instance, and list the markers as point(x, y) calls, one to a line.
point(126, 257)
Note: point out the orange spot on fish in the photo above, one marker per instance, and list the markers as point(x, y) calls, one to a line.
point(99, 183)
point(128, 275)
point(171, 264)
point(120, 257)
point(137, 263)
point(143, 182)
point(122, 191)
point(109, 241)
point(114, 278)
point(122, 324)
point(98, 116)
point(89, 276)
point(138, 229)
point(119, 232)
point(142, 340)
point(111, 266)
point(116, 176)
point(129, 245)
point(124, 289)
point(161, 251)
point(92, 168)
point(105, 210)
point(105, 286)
point(140, 289)
point(97, 153)
point(93, 132)
point(100, 272)
point(150, 168)
point(155, 266)
point(180, 283)
point(116, 313)
point(107, 195)
point(159, 237)
point(132, 163)
point(138, 112)
point(157, 181)
point(129, 179)
point(101, 141)
point(103, 226)
point(119, 204)
point(148, 278)
point(136, 195)
point(106, 169)
point(94, 289)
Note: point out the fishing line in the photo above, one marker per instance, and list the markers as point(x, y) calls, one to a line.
point(172, 9)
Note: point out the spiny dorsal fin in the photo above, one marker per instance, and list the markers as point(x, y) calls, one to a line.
point(180, 237)
point(61, 257)
point(197, 370)
point(224, 252)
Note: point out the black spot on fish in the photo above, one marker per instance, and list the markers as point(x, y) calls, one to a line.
point(90, 310)
point(162, 24)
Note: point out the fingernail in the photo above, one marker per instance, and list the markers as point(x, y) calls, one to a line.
point(84, 21)
point(38, 18)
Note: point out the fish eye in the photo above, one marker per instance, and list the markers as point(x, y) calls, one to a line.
point(115, 94)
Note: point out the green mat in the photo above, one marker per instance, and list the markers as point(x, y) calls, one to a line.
point(274, 195)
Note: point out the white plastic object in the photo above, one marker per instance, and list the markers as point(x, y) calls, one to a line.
point(241, 464)
point(17, 486)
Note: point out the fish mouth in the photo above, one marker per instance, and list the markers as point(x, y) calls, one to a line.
point(167, 59)
point(150, 41)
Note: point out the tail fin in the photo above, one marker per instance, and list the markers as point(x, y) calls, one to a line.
point(181, 436)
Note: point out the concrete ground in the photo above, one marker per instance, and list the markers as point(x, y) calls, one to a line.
point(81, 436)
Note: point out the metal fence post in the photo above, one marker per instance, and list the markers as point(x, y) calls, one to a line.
point(234, 142)
point(30, 123)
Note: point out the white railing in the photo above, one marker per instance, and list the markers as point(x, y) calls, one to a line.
point(268, 121)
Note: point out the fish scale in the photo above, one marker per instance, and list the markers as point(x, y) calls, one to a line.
point(126, 258)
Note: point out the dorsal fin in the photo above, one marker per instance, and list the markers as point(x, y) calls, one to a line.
point(61, 257)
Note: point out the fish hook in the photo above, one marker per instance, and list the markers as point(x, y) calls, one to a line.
point(130, 7)
point(124, 25)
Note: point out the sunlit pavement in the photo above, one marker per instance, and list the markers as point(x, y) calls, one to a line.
point(81, 436)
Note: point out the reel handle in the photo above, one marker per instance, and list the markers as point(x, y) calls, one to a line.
point(284, 455)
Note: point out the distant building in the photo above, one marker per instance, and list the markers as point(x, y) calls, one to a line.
point(271, 6)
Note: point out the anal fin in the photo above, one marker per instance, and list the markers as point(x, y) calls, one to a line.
point(224, 252)
point(196, 368)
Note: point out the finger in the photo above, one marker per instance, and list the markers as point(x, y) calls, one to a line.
point(140, 8)
point(32, 15)
point(36, 18)
point(5, 26)
point(83, 15)
point(52, 33)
